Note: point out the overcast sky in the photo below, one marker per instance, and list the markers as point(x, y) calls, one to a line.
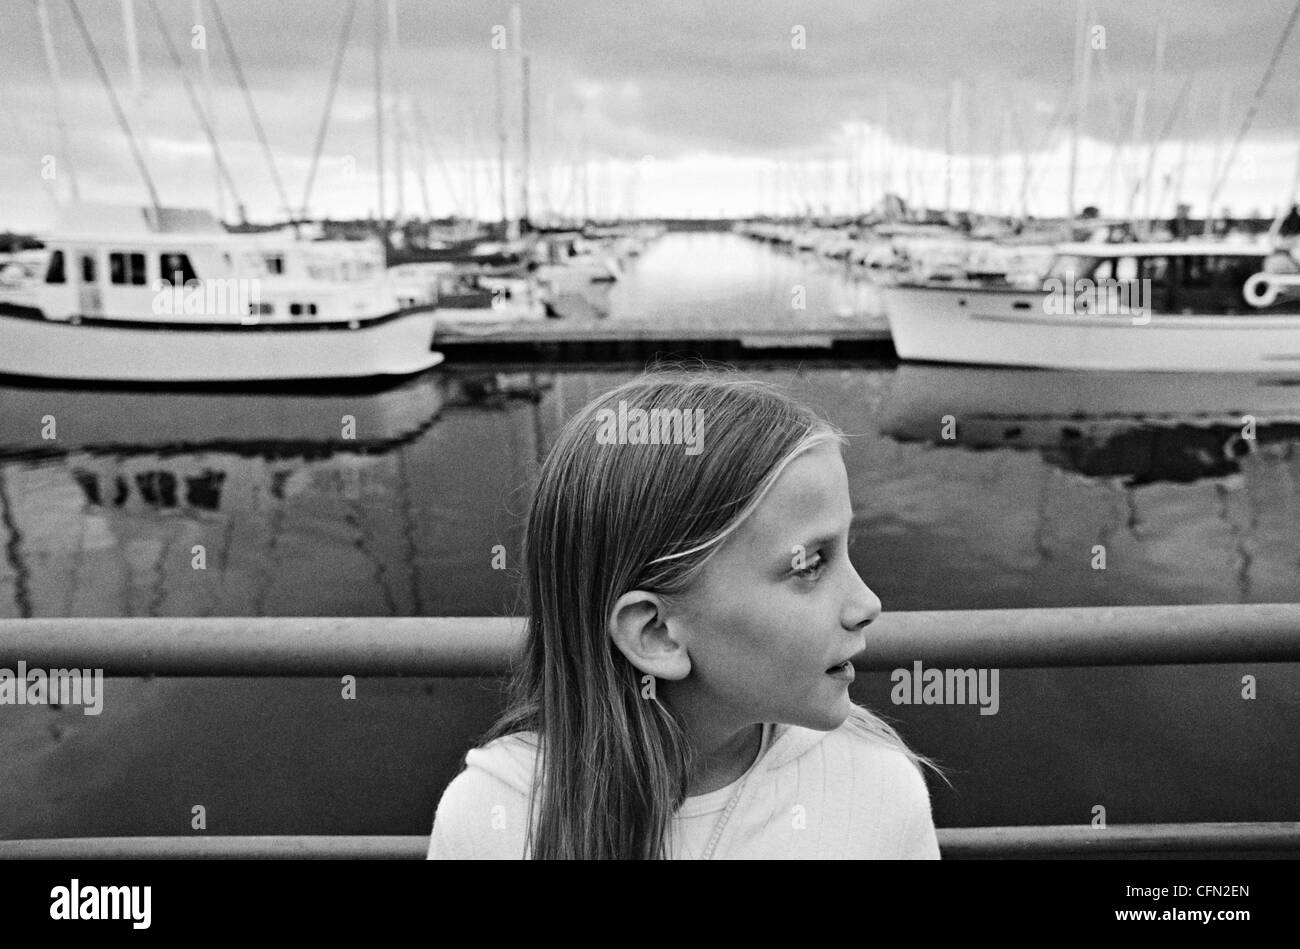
point(684, 106)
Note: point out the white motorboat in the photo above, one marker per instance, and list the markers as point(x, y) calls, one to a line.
point(473, 303)
point(130, 295)
point(1191, 306)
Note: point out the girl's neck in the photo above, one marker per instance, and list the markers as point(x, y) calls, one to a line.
point(721, 759)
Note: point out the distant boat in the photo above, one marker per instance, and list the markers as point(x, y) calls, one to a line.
point(128, 295)
point(1188, 306)
point(475, 303)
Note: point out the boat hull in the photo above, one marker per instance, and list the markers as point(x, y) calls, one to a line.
point(105, 350)
point(1011, 328)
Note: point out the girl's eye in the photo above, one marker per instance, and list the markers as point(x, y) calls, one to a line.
point(812, 570)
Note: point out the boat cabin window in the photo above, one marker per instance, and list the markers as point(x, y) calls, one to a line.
point(298, 309)
point(171, 265)
point(126, 269)
point(87, 268)
point(55, 274)
point(261, 309)
point(274, 263)
point(1070, 267)
point(1155, 269)
point(1210, 283)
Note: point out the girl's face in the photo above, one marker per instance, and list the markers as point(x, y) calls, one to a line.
point(780, 606)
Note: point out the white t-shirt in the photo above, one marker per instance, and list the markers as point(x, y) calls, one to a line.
point(808, 795)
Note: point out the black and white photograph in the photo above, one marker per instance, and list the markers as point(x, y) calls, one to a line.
point(791, 430)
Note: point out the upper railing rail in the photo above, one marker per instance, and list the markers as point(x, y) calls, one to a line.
point(483, 646)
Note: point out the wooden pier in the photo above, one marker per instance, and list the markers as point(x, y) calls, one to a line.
point(614, 339)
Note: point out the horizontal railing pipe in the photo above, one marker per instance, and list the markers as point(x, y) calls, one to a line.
point(954, 843)
point(483, 646)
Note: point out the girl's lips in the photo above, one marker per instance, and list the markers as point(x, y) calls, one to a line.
point(844, 671)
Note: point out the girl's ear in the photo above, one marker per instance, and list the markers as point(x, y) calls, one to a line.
point(638, 626)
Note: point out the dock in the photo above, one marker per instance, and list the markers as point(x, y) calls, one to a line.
point(602, 339)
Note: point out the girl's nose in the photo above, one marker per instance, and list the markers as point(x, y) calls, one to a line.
point(862, 606)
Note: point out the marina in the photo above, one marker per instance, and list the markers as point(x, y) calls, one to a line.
point(255, 444)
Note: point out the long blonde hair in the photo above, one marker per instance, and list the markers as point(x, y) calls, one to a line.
point(612, 768)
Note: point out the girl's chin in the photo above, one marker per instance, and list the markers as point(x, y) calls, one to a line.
point(825, 719)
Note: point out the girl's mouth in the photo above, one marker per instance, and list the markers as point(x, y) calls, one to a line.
point(843, 671)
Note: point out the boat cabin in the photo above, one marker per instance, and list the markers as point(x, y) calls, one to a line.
point(1187, 278)
point(121, 264)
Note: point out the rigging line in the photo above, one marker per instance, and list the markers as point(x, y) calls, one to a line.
point(248, 100)
point(20, 133)
point(407, 122)
point(117, 107)
point(335, 72)
point(1254, 105)
point(194, 102)
point(420, 124)
point(1174, 115)
point(56, 82)
point(1057, 115)
point(1112, 104)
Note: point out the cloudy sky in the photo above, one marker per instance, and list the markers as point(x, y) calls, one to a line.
point(680, 107)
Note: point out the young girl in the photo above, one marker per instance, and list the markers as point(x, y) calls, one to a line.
point(693, 615)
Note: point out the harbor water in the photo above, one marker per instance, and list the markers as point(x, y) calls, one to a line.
point(971, 489)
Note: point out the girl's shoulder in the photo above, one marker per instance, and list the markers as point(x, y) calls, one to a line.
point(483, 813)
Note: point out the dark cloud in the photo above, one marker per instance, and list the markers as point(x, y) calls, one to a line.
point(675, 77)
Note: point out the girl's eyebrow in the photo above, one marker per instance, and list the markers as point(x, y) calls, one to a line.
point(822, 541)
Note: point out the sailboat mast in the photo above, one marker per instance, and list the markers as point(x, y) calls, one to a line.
point(972, 166)
point(998, 205)
point(1155, 81)
point(396, 99)
point(56, 80)
point(1083, 69)
point(499, 78)
point(883, 148)
point(205, 66)
point(526, 133)
point(137, 82)
point(378, 36)
point(1220, 132)
point(522, 66)
point(948, 148)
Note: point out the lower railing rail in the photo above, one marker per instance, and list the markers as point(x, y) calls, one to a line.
point(954, 843)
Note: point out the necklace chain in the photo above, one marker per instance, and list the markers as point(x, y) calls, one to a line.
point(731, 804)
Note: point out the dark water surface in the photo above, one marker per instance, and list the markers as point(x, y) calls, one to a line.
point(293, 519)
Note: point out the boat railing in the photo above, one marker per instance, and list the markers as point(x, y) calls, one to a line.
point(483, 647)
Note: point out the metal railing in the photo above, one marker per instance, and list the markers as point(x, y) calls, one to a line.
point(955, 843)
point(483, 646)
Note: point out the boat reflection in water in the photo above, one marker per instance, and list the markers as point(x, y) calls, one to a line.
point(1141, 428)
point(305, 504)
point(165, 420)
